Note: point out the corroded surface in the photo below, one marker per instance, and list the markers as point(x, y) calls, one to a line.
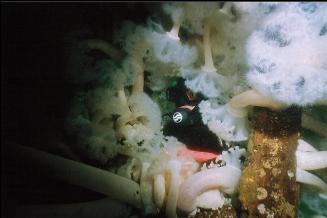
point(277, 123)
point(226, 211)
point(268, 185)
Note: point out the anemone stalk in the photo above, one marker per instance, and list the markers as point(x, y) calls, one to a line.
point(208, 62)
point(173, 33)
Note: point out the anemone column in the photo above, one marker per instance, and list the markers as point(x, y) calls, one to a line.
point(268, 185)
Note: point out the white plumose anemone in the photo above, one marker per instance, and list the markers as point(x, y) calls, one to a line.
point(288, 53)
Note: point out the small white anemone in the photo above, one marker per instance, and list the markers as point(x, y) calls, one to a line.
point(228, 124)
point(211, 199)
point(209, 84)
point(170, 51)
point(138, 128)
point(205, 79)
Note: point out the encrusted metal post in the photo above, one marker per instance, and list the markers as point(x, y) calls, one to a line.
point(268, 185)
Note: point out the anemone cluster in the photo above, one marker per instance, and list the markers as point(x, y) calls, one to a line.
point(236, 55)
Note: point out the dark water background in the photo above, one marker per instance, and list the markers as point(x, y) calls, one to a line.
point(35, 92)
